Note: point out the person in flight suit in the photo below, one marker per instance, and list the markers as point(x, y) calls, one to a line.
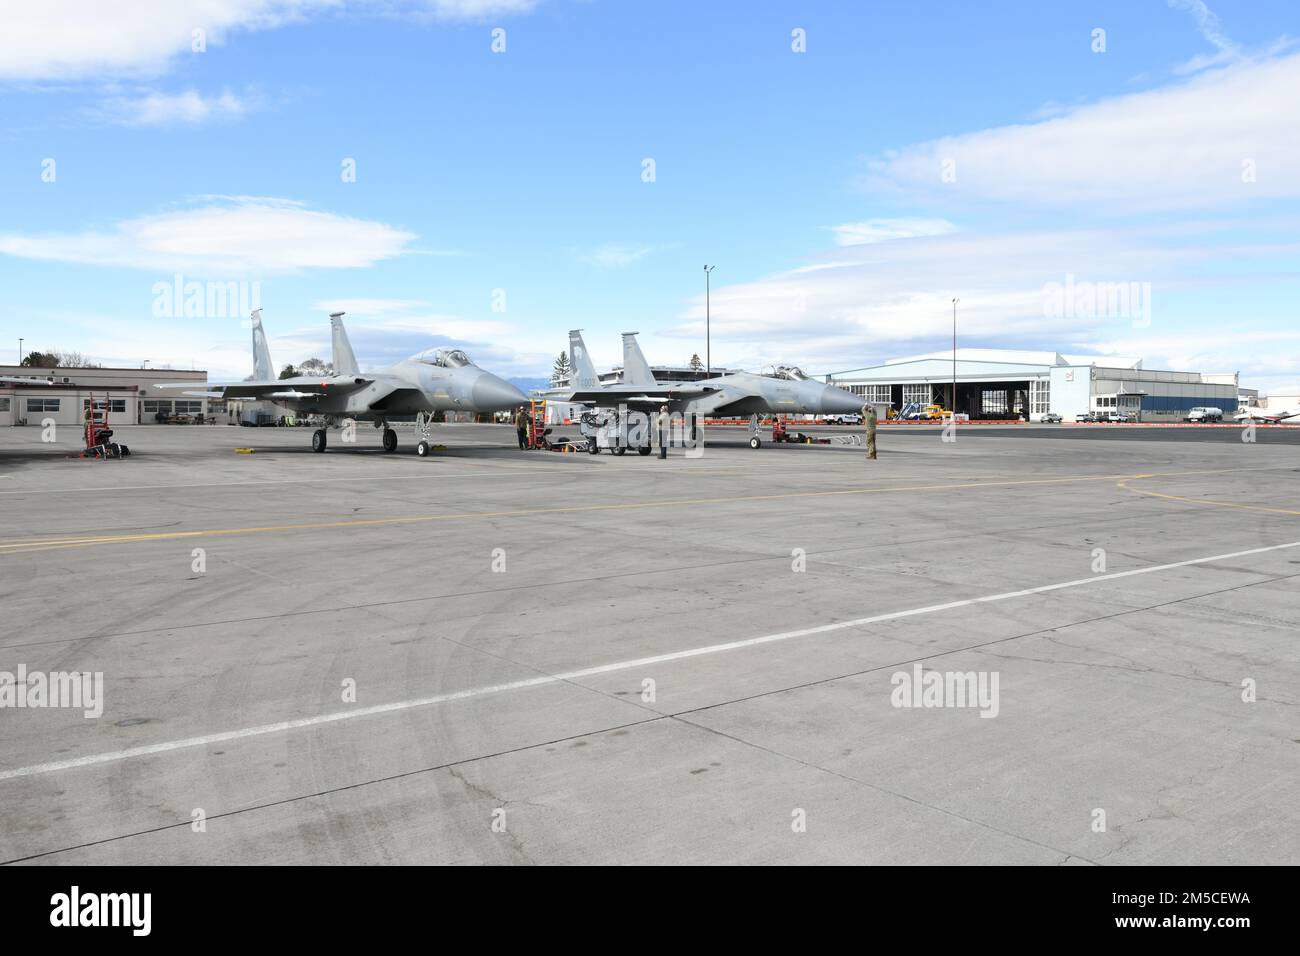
point(869, 423)
point(521, 426)
point(662, 424)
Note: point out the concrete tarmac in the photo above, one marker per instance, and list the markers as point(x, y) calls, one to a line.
point(495, 656)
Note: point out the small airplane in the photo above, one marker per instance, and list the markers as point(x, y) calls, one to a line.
point(441, 379)
point(1281, 416)
point(734, 395)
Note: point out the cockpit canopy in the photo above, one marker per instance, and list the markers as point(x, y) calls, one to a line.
point(445, 358)
point(791, 373)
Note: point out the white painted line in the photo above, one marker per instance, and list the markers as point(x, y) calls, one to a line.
point(566, 676)
point(109, 489)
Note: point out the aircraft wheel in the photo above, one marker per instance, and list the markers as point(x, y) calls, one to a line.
point(390, 440)
point(592, 447)
point(755, 442)
point(643, 450)
point(620, 450)
point(423, 449)
point(319, 440)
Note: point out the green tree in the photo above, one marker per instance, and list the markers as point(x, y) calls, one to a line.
point(41, 360)
point(288, 372)
point(562, 369)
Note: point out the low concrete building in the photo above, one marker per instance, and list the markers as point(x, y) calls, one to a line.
point(129, 392)
point(1009, 383)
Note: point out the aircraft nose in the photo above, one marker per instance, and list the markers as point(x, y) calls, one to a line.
point(492, 394)
point(837, 401)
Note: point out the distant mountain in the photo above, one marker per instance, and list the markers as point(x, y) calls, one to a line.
point(528, 384)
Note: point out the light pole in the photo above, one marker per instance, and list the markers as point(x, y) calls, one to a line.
point(20, 351)
point(708, 355)
point(954, 359)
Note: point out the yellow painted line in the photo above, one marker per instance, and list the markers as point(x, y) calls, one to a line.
point(48, 544)
point(1203, 501)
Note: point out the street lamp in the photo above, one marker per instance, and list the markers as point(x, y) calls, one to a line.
point(954, 359)
point(708, 355)
point(20, 351)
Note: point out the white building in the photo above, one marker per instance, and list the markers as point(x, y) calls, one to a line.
point(1010, 383)
point(129, 392)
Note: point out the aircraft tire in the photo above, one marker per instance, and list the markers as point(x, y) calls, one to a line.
point(643, 450)
point(592, 447)
point(390, 440)
point(755, 442)
point(319, 440)
point(423, 449)
point(620, 450)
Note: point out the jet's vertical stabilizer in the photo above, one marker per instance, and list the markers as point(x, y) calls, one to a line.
point(584, 373)
point(635, 369)
point(345, 362)
point(263, 370)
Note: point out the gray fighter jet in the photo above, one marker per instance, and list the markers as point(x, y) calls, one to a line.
point(735, 395)
point(441, 379)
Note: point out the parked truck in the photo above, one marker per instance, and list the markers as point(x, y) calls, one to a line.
point(1204, 414)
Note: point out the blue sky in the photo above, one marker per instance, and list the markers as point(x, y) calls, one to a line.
point(1167, 163)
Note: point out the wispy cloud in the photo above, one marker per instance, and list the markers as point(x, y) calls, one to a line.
point(614, 255)
point(884, 230)
point(1207, 25)
point(245, 236)
point(189, 108)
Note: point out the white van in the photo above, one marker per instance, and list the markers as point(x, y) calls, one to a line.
point(1204, 414)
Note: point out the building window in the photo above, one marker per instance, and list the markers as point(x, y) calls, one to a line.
point(876, 394)
point(4, 404)
point(1040, 396)
point(43, 404)
point(188, 408)
point(152, 406)
point(994, 402)
point(114, 404)
point(916, 394)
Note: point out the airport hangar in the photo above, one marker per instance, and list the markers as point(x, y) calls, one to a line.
point(129, 391)
point(1010, 383)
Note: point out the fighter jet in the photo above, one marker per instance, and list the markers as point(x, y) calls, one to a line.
point(735, 395)
point(440, 379)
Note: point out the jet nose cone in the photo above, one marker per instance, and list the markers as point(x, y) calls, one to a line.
point(836, 401)
point(492, 394)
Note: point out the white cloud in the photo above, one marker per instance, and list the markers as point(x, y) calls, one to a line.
point(241, 236)
point(164, 109)
point(614, 255)
point(1183, 146)
point(883, 230)
point(871, 302)
point(78, 39)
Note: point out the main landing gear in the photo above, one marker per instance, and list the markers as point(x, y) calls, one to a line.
point(390, 440)
point(319, 439)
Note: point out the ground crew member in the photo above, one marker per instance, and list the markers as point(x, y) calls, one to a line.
point(663, 424)
point(869, 422)
point(521, 426)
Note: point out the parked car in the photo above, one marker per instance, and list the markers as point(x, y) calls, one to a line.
point(1115, 417)
point(1051, 418)
point(1085, 417)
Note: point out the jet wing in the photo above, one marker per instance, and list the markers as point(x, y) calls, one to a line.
point(300, 386)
